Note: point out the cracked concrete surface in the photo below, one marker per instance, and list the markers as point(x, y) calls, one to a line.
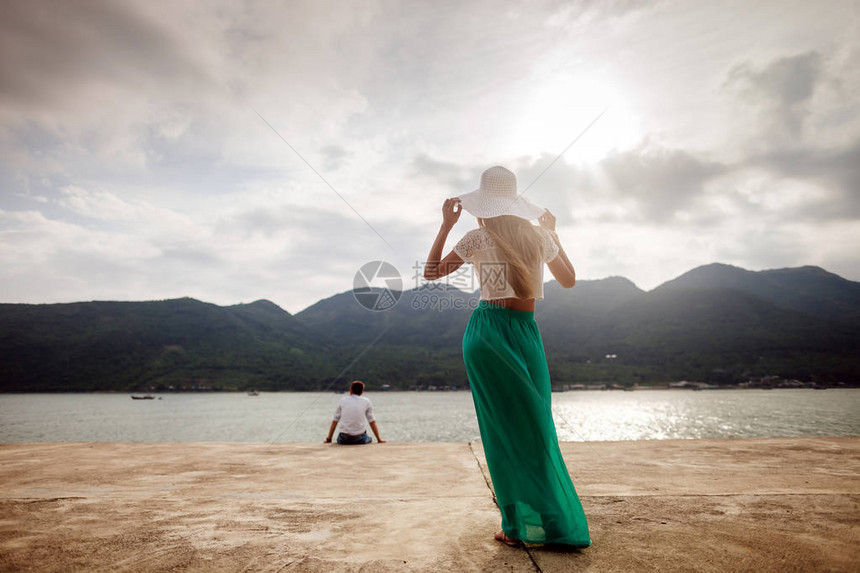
point(780, 504)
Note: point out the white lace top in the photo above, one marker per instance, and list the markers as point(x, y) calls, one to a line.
point(477, 247)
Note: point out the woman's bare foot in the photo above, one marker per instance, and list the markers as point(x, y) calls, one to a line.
point(502, 536)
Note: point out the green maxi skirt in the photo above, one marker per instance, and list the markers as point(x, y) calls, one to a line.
point(508, 373)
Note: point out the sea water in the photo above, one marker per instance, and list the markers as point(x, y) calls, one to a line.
point(425, 416)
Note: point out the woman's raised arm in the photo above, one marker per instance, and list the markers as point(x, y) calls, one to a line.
point(560, 267)
point(436, 267)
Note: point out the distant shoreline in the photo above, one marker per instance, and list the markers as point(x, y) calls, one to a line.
point(689, 388)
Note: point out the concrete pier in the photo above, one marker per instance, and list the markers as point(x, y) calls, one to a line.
point(780, 504)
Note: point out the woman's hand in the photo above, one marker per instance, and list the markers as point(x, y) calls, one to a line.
point(451, 210)
point(547, 221)
point(435, 266)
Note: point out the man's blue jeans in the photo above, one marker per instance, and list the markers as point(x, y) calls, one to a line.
point(349, 439)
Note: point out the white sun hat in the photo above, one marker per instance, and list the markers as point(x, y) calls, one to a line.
point(498, 196)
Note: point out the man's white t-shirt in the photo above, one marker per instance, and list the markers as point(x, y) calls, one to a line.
point(351, 412)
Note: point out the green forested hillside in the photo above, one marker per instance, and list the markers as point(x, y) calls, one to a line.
point(810, 290)
point(185, 342)
point(716, 323)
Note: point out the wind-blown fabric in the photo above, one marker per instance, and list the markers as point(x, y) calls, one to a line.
point(507, 369)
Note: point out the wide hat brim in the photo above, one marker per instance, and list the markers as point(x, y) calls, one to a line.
point(481, 204)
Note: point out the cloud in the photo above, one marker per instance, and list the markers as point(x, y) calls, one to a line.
point(98, 204)
point(126, 86)
point(334, 157)
point(781, 89)
point(785, 82)
point(292, 255)
point(87, 47)
point(649, 184)
point(108, 211)
point(31, 244)
point(833, 169)
point(661, 181)
point(797, 132)
point(455, 176)
point(133, 129)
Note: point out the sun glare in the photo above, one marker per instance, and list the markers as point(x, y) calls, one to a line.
point(560, 108)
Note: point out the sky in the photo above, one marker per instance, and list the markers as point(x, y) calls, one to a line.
point(232, 151)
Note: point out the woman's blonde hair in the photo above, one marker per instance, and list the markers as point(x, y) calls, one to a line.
point(520, 245)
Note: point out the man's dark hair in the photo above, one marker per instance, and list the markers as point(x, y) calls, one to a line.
point(356, 388)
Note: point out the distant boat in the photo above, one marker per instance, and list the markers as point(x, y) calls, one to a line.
point(146, 397)
point(253, 393)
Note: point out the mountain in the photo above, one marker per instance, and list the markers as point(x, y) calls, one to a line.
point(416, 342)
point(568, 317)
point(810, 290)
point(427, 316)
point(715, 323)
point(183, 342)
point(699, 333)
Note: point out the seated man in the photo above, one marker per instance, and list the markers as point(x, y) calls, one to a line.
point(351, 412)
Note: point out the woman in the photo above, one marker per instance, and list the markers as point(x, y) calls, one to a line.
point(505, 360)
